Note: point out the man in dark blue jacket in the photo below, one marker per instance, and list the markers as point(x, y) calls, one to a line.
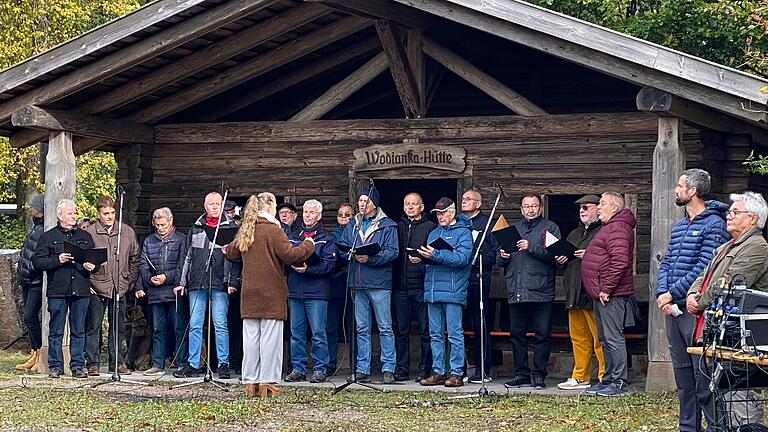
point(68, 288)
point(692, 244)
point(530, 274)
point(445, 291)
point(162, 258)
point(371, 279)
point(309, 287)
point(408, 291)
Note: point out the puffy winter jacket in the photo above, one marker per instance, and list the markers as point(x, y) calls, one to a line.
point(167, 255)
point(607, 263)
point(377, 272)
point(692, 244)
point(68, 279)
point(412, 234)
point(225, 273)
point(315, 282)
point(447, 274)
point(28, 275)
point(530, 273)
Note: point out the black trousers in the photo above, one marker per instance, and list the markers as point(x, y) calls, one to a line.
point(405, 303)
point(537, 317)
point(33, 302)
point(93, 337)
point(472, 312)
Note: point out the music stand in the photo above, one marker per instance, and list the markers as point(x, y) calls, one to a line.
point(208, 375)
point(116, 378)
point(353, 343)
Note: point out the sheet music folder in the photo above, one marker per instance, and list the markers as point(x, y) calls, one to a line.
point(506, 235)
point(94, 256)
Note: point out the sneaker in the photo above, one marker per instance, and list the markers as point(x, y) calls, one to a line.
point(614, 390)
point(518, 381)
point(423, 374)
point(475, 379)
point(79, 373)
point(294, 377)
point(93, 371)
point(360, 377)
point(154, 371)
point(593, 389)
point(55, 373)
point(388, 378)
point(435, 379)
point(454, 381)
point(317, 377)
point(224, 371)
point(573, 384)
point(186, 372)
point(538, 382)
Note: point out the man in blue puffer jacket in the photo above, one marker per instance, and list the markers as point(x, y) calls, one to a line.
point(692, 244)
point(370, 278)
point(445, 291)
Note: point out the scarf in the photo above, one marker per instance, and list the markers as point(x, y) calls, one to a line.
point(268, 217)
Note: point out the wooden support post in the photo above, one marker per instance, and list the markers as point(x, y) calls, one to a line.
point(400, 66)
point(60, 184)
point(668, 163)
point(341, 91)
point(415, 54)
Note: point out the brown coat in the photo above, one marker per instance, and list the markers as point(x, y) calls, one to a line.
point(102, 280)
point(264, 292)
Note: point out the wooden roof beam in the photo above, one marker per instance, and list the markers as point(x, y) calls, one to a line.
point(400, 66)
point(415, 53)
point(289, 80)
point(132, 55)
point(489, 85)
point(266, 62)
point(343, 90)
point(384, 9)
point(82, 125)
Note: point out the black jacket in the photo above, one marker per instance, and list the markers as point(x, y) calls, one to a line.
point(531, 273)
point(411, 234)
point(489, 250)
point(225, 273)
point(64, 280)
point(28, 275)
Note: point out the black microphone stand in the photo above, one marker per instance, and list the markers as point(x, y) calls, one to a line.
point(208, 376)
point(352, 351)
point(115, 378)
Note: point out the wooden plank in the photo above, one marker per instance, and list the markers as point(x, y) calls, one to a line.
point(415, 53)
point(132, 55)
point(489, 85)
point(82, 124)
point(609, 52)
point(399, 65)
point(385, 9)
point(92, 41)
point(344, 89)
point(287, 81)
point(270, 60)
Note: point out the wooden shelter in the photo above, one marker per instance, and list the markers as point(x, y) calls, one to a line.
point(309, 99)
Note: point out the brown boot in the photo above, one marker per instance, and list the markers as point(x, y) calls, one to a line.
point(269, 390)
point(27, 365)
point(435, 379)
point(252, 390)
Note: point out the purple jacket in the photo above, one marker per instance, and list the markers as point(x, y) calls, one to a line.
point(607, 262)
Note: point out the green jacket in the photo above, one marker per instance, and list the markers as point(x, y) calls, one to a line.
point(748, 256)
point(575, 296)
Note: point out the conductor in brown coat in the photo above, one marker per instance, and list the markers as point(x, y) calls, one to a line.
point(264, 249)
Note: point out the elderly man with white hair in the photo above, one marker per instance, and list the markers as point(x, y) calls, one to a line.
point(68, 290)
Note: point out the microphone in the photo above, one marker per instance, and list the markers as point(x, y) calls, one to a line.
point(371, 185)
point(501, 189)
point(224, 186)
point(120, 190)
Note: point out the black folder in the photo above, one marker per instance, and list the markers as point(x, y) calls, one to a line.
point(225, 237)
point(152, 268)
point(562, 248)
point(440, 244)
point(508, 238)
point(95, 256)
point(413, 252)
point(371, 249)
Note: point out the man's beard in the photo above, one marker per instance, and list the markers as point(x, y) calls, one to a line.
point(682, 201)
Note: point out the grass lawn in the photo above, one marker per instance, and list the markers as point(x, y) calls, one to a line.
point(66, 404)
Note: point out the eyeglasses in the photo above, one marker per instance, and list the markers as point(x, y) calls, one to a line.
point(341, 214)
point(586, 207)
point(733, 213)
point(531, 207)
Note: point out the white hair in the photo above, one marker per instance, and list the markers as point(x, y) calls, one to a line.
point(755, 204)
point(162, 212)
point(64, 204)
point(314, 203)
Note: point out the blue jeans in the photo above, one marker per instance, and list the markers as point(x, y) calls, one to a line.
point(78, 312)
point(442, 317)
point(198, 302)
point(164, 314)
point(378, 300)
point(314, 312)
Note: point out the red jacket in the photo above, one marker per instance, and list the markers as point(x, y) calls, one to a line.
point(607, 262)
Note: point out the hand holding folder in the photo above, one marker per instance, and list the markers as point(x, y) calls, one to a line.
point(506, 235)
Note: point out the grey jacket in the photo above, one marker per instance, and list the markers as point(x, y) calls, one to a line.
point(530, 273)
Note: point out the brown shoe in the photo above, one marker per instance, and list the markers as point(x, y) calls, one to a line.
point(435, 379)
point(252, 390)
point(454, 381)
point(268, 390)
point(93, 371)
point(123, 370)
point(31, 361)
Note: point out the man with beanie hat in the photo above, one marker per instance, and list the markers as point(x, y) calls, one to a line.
point(370, 278)
point(31, 282)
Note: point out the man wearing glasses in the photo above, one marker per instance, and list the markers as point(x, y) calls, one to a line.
point(530, 274)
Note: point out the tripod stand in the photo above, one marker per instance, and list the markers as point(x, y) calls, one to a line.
point(208, 375)
point(115, 378)
point(353, 343)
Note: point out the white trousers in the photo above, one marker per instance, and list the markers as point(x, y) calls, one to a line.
point(262, 351)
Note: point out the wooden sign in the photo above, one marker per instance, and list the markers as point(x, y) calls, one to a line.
point(384, 157)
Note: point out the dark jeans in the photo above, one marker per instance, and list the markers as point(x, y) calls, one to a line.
point(98, 305)
point(473, 312)
point(59, 308)
point(33, 302)
point(164, 316)
point(338, 323)
point(610, 331)
point(537, 316)
point(405, 303)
